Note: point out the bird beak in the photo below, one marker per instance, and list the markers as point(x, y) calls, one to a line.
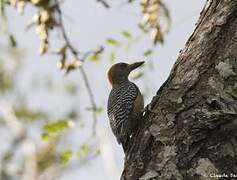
point(135, 65)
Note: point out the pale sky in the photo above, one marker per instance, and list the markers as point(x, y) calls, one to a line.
point(88, 25)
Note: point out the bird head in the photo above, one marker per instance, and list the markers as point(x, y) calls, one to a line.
point(119, 72)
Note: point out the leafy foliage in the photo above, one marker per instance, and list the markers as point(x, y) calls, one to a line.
point(24, 113)
point(112, 41)
point(112, 57)
point(2, 7)
point(84, 149)
point(65, 156)
point(126, 34)
point(13, 41)
point(148, 52)
point(153, 11)
point(70, 88)
point(54, 128)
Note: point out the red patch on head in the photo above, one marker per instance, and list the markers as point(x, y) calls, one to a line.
point(110, 75)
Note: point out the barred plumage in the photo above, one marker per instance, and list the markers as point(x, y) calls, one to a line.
point(124, 104)
point(120, 106)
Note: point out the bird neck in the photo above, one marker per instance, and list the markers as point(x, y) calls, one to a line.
point(118, 83)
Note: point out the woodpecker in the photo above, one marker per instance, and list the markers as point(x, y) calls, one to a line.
point(125, 103)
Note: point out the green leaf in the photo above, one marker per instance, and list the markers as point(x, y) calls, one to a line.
point(2, 7)
point(12, 41)
point(45, 136)
point(84, 149)
point(72, 114)
point(97, 54)
point(112, 57)
point(70, 88)
point(95, 57)
point(54, 128)
point(126, 34)
point(112, 41)
point(148, 52)
point(24, 113)
point(65, 156)
point(99, 110)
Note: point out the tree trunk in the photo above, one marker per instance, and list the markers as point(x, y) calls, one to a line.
point(190, 130)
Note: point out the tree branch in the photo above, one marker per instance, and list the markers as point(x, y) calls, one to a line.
point(79, 56)
point(190, 132)
point(104, 3)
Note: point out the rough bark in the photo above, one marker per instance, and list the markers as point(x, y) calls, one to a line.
point(190, 131)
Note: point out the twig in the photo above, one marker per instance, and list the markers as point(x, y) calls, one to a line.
point(104, 3)
point(76, 54)
point(74, 51)
point(92, 100)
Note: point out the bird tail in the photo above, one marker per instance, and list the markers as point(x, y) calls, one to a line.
point(126, 144)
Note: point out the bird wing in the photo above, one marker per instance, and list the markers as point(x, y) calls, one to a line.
point(120, 106)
